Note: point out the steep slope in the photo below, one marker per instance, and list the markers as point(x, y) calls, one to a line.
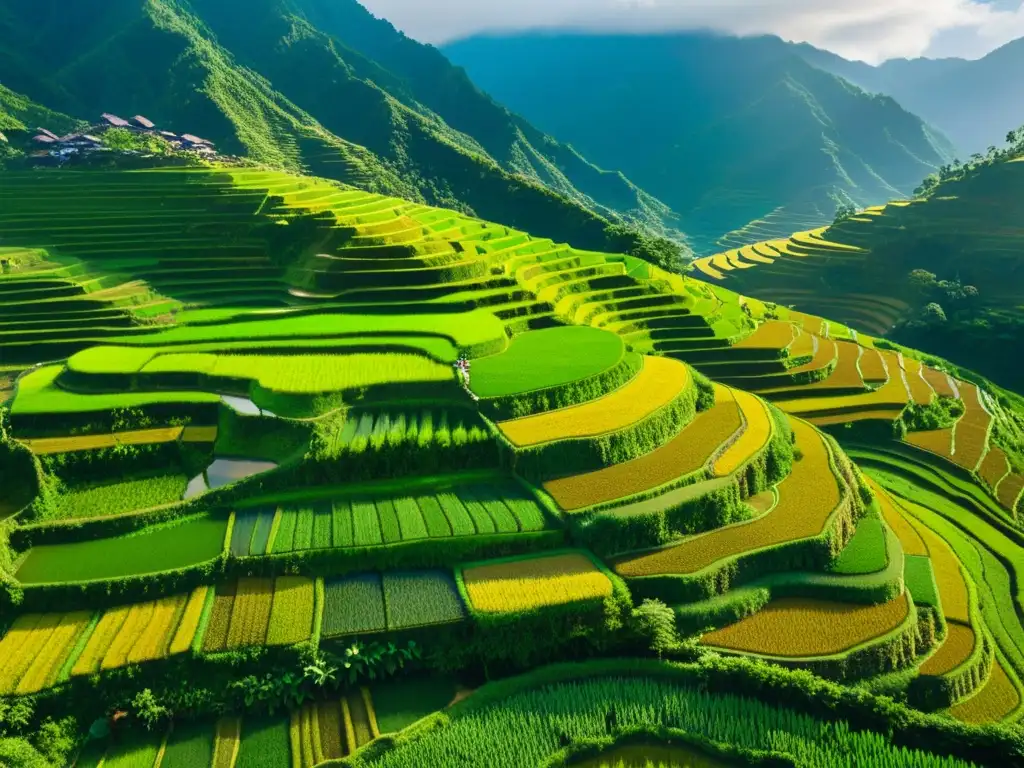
point(738, 136)
point(973, 102)
point(288, 93)
point(942, 272)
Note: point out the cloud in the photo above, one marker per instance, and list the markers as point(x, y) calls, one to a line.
point(872, 30)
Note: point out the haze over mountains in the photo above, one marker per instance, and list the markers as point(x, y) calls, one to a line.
point(974, 103)
point(711, 140)
point(733, 134)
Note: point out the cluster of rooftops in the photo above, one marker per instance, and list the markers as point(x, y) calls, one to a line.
point(85, 142)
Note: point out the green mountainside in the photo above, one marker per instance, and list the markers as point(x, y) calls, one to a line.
point(300, 88)
point(941, 272)
point(740, 137)
point(973, 102)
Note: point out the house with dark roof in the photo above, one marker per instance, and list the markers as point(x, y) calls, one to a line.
point(42, 138)
point(195, 140)
point(45, 132)
point(114, 120)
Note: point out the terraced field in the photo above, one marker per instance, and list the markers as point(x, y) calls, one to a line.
point(288, 438)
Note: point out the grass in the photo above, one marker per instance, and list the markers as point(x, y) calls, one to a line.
point(291, 617)
point(421, 599)
point(865, 553)
point(189, 745)
point(400, 703)
point(544, 359)
point(227, 742)
point(659, 382)
point(264, 743)
point(152, 550)
point(216, 636)
point(120, 497)
point(38, 393)
point(683, 455)
point(806, 501)
point(801, 628)
point(946, 565)
point(536, 582)
point(353, 605)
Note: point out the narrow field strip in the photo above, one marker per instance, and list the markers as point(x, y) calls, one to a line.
point(807, 499)
point(872, 366)
point(946, 565)
point(773, 334)
point(939, 382)
point(994, 467)
point(50, 445)
point(996, 699)
point(909, 538)
point(970, 434)
point(291, 613)
point(846, 374)
point(536, 582)
point(855, 416)
point(804, 628)
point(755, 438)
point(1009, 491)
point(250, 612)
point(686, 453)
point(920, 391)
point(891, 395)
point(937, 441)
point(49, 657)
point(659, 382)
point(421, 599)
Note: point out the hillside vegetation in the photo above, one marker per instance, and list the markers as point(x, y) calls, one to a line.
point(382, 112)
point(283, 460)
point(749, 141)
point(940, 272)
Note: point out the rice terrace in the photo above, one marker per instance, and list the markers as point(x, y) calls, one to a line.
point(422, 440)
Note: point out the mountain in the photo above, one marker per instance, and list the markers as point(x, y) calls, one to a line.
point(314, 85)
point(973, 102)
point(741, 137)
point(942, 272)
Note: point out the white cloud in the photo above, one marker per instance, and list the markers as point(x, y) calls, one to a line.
point(872, 30)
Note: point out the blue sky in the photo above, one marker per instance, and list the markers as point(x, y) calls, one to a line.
point(871, 30)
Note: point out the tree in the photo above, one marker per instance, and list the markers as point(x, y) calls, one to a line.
point(148, 709)
point(843, 212)
point(657, 623)
point(933, 314)
point(660, 251)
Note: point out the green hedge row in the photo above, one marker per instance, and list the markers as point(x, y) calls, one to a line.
point(572, 393)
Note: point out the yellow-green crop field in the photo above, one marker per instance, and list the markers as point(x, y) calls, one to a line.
point(683, 455)
point(797, 627)
point(996, 699)
point(538, 582)
point(659, 382)
point(807, 499)
point(954, 651)
point(753, 440)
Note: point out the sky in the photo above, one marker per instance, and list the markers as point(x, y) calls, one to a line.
point(869, 30)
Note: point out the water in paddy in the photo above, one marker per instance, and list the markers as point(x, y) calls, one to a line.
point(225, 471)
point(651, 756)
point(245, 406)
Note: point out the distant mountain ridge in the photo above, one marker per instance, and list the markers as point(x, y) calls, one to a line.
point(974, 102)
point(320, 86)
point(742, 138)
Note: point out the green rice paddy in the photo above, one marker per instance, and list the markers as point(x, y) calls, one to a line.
point(546, 358)
point(152, 550)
